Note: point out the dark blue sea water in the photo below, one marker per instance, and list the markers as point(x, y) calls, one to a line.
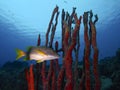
point(21, 21)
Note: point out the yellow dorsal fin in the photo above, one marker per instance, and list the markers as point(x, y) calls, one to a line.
point(19, 53)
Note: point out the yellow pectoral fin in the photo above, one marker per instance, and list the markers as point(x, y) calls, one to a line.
point(39, 61)
point(19, 53)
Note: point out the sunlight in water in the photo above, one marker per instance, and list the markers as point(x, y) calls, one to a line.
point(22, 20)
point(32, 16)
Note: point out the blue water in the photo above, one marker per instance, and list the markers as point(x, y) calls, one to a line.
point(21, 22)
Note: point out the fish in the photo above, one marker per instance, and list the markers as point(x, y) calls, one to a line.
point(39, 54)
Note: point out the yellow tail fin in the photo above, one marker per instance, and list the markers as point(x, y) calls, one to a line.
point(19, 53)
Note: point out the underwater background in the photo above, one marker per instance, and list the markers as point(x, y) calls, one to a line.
point(22, 20)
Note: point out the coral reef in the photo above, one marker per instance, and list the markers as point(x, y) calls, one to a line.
point(109, 68)
point(64, 78)
point(12, 75)
point(71, 74)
